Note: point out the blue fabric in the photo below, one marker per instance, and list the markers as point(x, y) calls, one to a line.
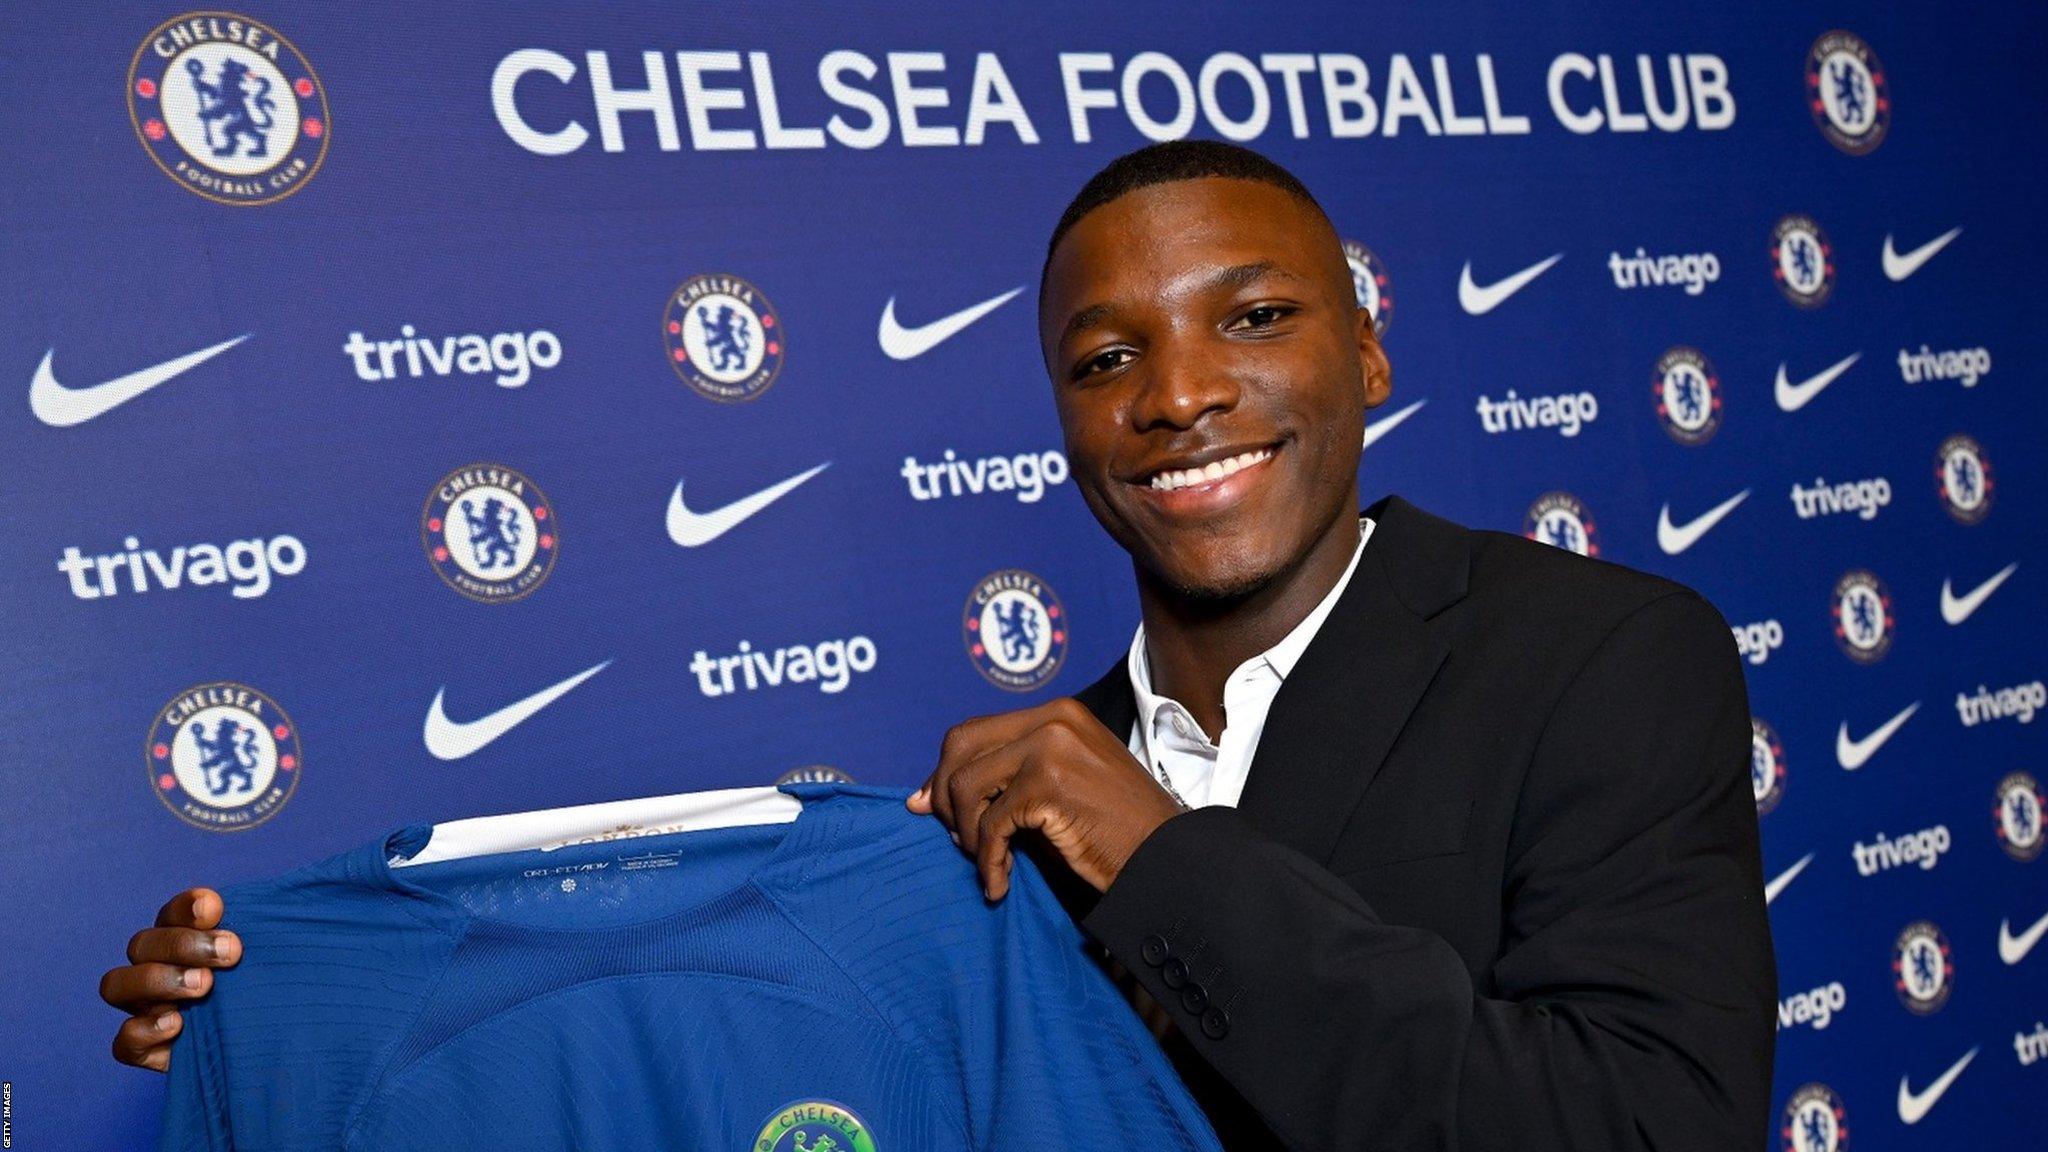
point(678, 991)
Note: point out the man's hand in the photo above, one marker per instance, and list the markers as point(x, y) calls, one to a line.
point(1054, 768)
point(167, 964)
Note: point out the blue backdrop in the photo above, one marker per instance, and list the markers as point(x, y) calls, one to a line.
point(388, 366)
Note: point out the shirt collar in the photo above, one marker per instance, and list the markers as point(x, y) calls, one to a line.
point(1281, 657)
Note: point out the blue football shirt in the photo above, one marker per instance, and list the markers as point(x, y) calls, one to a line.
point(831, 983)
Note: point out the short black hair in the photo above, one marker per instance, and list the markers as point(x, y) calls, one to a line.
point(1167, 163)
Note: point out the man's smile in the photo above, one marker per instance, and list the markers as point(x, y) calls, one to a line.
point(1205, 481)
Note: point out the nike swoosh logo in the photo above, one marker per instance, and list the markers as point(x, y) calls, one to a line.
point(449, 740)
point(1384, 425)
point(1914, 1105)
point(1478, 301)
point(1779, 882)
point(1897, 267)
point(62, 407)
point(1792, 397)
point(692, 529)
point(900, 343)
point(2013, 949)
point(1956, 609)
point(1853, 754)
point(1676, 538)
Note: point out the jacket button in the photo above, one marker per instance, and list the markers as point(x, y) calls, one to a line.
point(1215, 1023)
point(1194, 997)
point(1154, 950)
point(1174, 972)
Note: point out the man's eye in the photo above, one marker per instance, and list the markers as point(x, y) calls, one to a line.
point(1264, 316)
point(1102, 362)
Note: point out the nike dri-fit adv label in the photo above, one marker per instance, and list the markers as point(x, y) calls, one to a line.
point(748, 968)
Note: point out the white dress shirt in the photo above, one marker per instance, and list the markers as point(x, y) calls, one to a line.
point(1165, 737)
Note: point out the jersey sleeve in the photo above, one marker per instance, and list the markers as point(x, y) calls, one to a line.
point(1074, 1065)
point(1018, 1022)
point(195, 1112)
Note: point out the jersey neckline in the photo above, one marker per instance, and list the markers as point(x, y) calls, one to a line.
point(816, 824)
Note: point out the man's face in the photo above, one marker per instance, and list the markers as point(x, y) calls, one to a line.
point(1210, 322)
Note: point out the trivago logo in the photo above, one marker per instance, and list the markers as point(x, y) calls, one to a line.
point(1965, 366)
point(244, 566)
point(2018, 702)
point(1026, 475)
point(1814, 1008)
point(507, 358)
point(1692, 271)
point(1863, 497)
point(1756, 641)
point(1923, 848)
point(829, 664)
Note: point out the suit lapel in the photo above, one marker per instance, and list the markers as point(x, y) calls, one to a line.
point(1338, 714)
point(1112, 699)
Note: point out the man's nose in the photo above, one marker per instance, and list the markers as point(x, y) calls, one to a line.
point(1180, 386)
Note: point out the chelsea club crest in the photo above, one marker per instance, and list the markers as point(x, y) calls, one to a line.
point(1688, 395)
point(1863, 616)
point(1369, 282)
point(223, 757)
point(814, 1126)
point(1015, 630)
point(1766, 766)
point(1923, 968)
point(1815, 1120)
point(1962, 475)
point(1846, 92)
point(723, 337)
point(1560, 520)
point(2016, 816)
point(1803, 262)
point(490, 533)
point(228, 108)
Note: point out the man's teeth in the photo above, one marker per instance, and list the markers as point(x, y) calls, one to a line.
point(1174, 478)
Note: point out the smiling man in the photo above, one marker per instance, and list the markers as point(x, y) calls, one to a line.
point(1403, 835)
point(1410, 836)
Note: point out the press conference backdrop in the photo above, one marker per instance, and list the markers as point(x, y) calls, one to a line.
point(434, 410)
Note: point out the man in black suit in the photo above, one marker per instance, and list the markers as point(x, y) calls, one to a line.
point(1485, 873)
point(1423, 837)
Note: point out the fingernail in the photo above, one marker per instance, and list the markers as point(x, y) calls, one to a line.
point(192, 977)
point(162, 1023)
point(956, 838)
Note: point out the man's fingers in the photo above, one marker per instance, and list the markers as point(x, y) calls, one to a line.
point(972, 788)
point(138, 986)
point(145, 1041)
point(966, 742)
point(192, 908)
point(997, 824)
point(188, 946)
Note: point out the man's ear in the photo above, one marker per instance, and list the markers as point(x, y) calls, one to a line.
point(1372, 359)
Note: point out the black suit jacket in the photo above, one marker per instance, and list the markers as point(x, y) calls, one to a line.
point(1494, 880)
